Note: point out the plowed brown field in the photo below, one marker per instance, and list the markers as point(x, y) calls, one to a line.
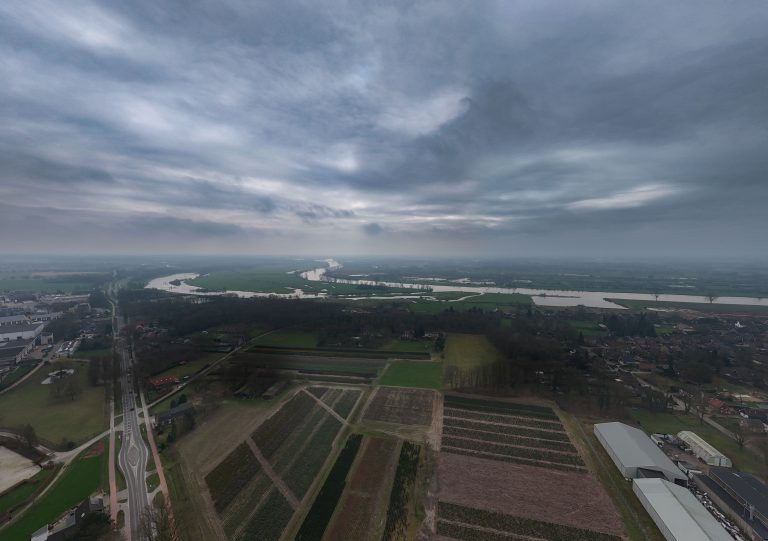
point(569, 498)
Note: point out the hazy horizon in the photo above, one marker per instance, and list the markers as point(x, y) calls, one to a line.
point(595, 130)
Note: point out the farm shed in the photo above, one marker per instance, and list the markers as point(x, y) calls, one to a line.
point(741, 496)
point(635, 454)
point(703, 450)
point(677, 512)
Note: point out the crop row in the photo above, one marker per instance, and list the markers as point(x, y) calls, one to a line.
point(331, 395)
point(500, 407)
point(515, 525)
point(501, 437)
point(270, 520)
point(401, 406)
point(274, 431)
point(241, 508)
point(310, 460)
point(295, 443)
point(517, 420)
point(318, 391)
point(346, 403)
point(513, 459)
point(405, 477)
point(510, 450)
point(515, 430)
point(316, 521)
point(227, 479)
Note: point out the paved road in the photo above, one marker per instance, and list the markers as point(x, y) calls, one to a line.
point(133, 453)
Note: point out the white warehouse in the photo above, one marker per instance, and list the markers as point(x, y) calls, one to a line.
point(635, 454)
point(703, 450)
point(677, 512)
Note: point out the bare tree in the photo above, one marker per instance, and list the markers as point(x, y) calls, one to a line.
point(739, 435)
point(686, 397)
point(157, 522)
point(701, 407)
point(30, 437)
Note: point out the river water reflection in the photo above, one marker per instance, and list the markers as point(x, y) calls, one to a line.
point(542, 297)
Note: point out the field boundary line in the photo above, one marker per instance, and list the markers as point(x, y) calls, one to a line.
point(327, 408)
point(276, 480)
point(509, 535)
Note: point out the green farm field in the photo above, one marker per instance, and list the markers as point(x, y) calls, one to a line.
point(61, 418)
point(422, 374)
point(79, 480)
point(668, 423)
point(288, 338)
point(282, 281)
point(487, 302)
point(699, 307)
point(587, 328)
point(469, 351)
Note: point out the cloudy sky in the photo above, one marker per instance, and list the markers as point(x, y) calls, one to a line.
point(417, 127)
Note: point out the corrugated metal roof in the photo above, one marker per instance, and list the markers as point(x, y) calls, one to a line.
point(635, 449)
point(688, 437)
point(681, 513)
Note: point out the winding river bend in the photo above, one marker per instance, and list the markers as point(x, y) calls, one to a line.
point(542, 297)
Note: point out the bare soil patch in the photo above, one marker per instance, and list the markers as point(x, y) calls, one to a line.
point(14, 468)
point(569, 498)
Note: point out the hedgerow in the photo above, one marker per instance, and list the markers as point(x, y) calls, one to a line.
point(397, 513)
point(316, 521)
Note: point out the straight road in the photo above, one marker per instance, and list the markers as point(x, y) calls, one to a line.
point(133, 453)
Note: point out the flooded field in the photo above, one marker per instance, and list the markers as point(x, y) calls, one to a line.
point(541, 297)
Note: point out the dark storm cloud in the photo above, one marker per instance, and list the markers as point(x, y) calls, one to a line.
point(500, 123)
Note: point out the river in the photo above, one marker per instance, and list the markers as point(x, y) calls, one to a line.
point(541, 297)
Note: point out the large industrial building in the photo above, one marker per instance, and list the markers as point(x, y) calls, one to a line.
point(635, 454)
point(704, 450)
point(741, 496)
point(20, 331)
point(677, 512)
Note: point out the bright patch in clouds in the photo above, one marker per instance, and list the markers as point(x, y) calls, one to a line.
point(636, 197)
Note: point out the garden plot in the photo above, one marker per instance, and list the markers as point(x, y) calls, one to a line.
point(401, 406)
point(502, 431)
point(361, 514)
point(258, 486)
point(509, 471)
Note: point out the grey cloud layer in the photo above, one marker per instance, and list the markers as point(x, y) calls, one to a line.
point(400, 127)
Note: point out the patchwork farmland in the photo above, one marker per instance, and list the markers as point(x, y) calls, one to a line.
point(362, 511)
point(510, 471)
point(401, 406)
point(258, 487)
